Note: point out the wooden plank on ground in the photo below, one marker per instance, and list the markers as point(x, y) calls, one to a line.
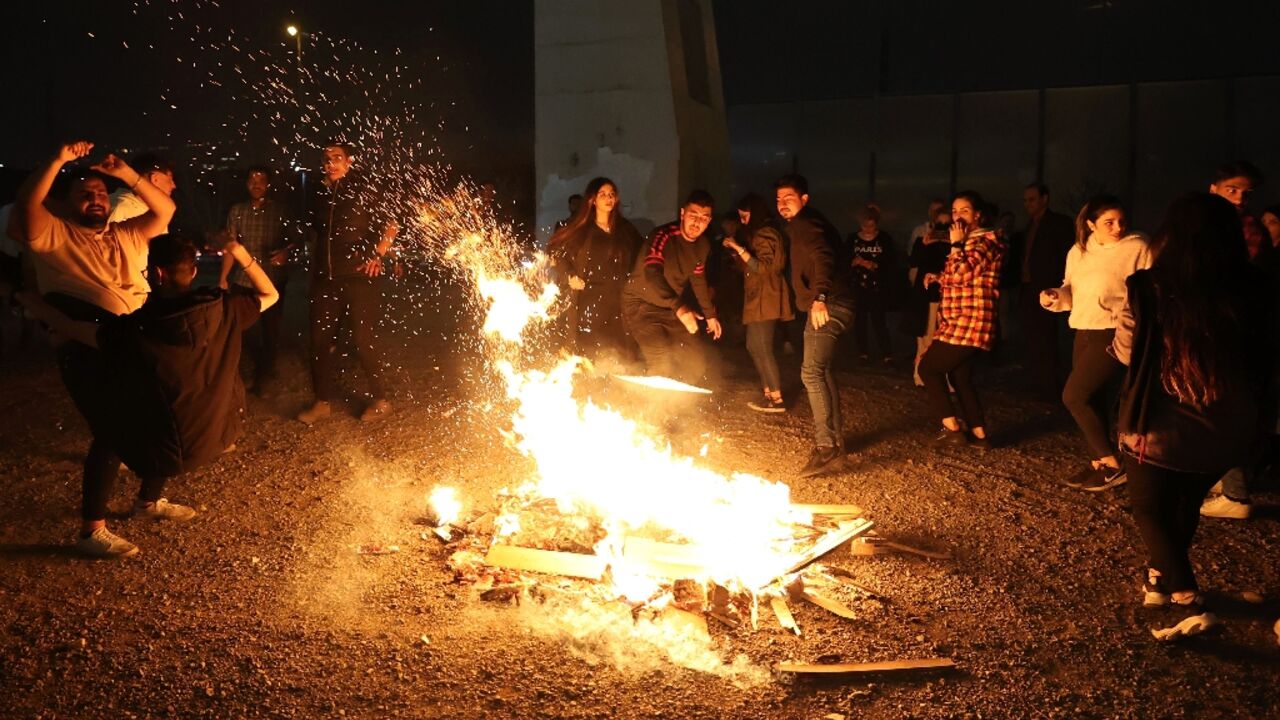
point(881, 546)
point(546, 561)
point(825, 509)
point(871, 667)
point(846, 531)
point(829, 604)
point(783, 613)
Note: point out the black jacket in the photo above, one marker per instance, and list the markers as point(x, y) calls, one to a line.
point(346, 228)
point(1154, 425)
point(179, 401)
point(819, 262)
point(1048, 263)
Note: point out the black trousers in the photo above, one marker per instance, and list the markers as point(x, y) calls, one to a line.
point(88, 380)
point(1040, 330)
point(361, 299)
point(1090, 387)
point(263, 339)
point(942, 361)
point(1166, 507)
point(869, 314)
point(668, 349)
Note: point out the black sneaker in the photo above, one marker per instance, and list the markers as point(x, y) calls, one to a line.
point(823, 459)
point(1082, 478)
point(767, 405)
point(1104, 478)
point(979, 443)
point(951, 437)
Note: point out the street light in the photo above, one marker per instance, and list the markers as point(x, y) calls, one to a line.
point(296, 34)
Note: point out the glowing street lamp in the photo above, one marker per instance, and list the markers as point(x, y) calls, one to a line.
point(296, 34)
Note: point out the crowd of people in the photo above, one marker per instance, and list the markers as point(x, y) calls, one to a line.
point(151, 361)
point(1171, 381)
point(1172, 378)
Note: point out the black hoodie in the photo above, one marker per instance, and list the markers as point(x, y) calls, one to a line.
point(179, 397)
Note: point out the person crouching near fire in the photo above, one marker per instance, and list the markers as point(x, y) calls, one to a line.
point(178, 390)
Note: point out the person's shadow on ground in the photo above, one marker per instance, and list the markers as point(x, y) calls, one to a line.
point(14, 551)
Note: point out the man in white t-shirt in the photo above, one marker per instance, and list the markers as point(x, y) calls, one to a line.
point(90, 269)
point(127, 204)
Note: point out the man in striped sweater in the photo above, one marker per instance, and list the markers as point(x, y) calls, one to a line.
point(653, 307)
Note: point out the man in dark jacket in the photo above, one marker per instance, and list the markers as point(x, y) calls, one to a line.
point(176, 393)
point(1042, 257)
point(347, 279)
point(819, 278)
point(653, 308)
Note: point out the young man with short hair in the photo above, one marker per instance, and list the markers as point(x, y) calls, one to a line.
point(90, 269)
point(127, 204)
point(175, 393)
point(652, 306)
point(1236, 182)
point(819, 278)
point(347, 281)
point(1040, 251)
point(261, 224)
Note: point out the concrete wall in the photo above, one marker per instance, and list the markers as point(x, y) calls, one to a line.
point(612, 98)
point(1147, 142)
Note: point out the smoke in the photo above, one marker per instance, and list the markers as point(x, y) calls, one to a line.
point(607, 633)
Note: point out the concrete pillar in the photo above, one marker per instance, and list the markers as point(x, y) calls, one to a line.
point(628, 89)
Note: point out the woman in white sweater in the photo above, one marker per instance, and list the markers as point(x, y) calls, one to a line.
point(1093, 288)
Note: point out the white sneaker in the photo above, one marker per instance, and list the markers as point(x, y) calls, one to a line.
point(1224, 507)
point(1277, 631)
point(105, 544)
point(162, 509)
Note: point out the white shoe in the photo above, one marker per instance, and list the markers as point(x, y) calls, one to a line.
point(105, 544)
point(162, 509)
point(1277, 631)
point(1224, 507)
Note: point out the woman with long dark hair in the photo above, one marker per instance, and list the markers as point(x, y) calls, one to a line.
point(1197, 335)
point(970, 283)
point(1093, 290)
point(594, 252)
point(766, 294)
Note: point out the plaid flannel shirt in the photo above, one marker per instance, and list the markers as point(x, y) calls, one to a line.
point(971, 292)
point(261, 231)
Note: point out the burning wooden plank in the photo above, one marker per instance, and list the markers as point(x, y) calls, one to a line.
point(660, 559)
point(685, 622)
point(824, 509)
point(783, 613)
point(871, 667)
point(551, 562)
point(657, 382)
point(844, 532)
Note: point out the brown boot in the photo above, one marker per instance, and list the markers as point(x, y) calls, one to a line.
point(319, 411)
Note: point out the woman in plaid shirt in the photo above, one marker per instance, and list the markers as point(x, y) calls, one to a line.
point(966, 318)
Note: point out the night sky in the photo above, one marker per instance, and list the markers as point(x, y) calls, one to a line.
point(113, 71)
point(129, 74)
point(822, 49)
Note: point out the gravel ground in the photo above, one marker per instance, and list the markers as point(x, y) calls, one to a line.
point(262, 607)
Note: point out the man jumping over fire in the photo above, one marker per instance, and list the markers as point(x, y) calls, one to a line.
point(652, 308)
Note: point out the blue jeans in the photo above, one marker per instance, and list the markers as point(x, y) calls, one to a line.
point(820, 380)
point(760, 347)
